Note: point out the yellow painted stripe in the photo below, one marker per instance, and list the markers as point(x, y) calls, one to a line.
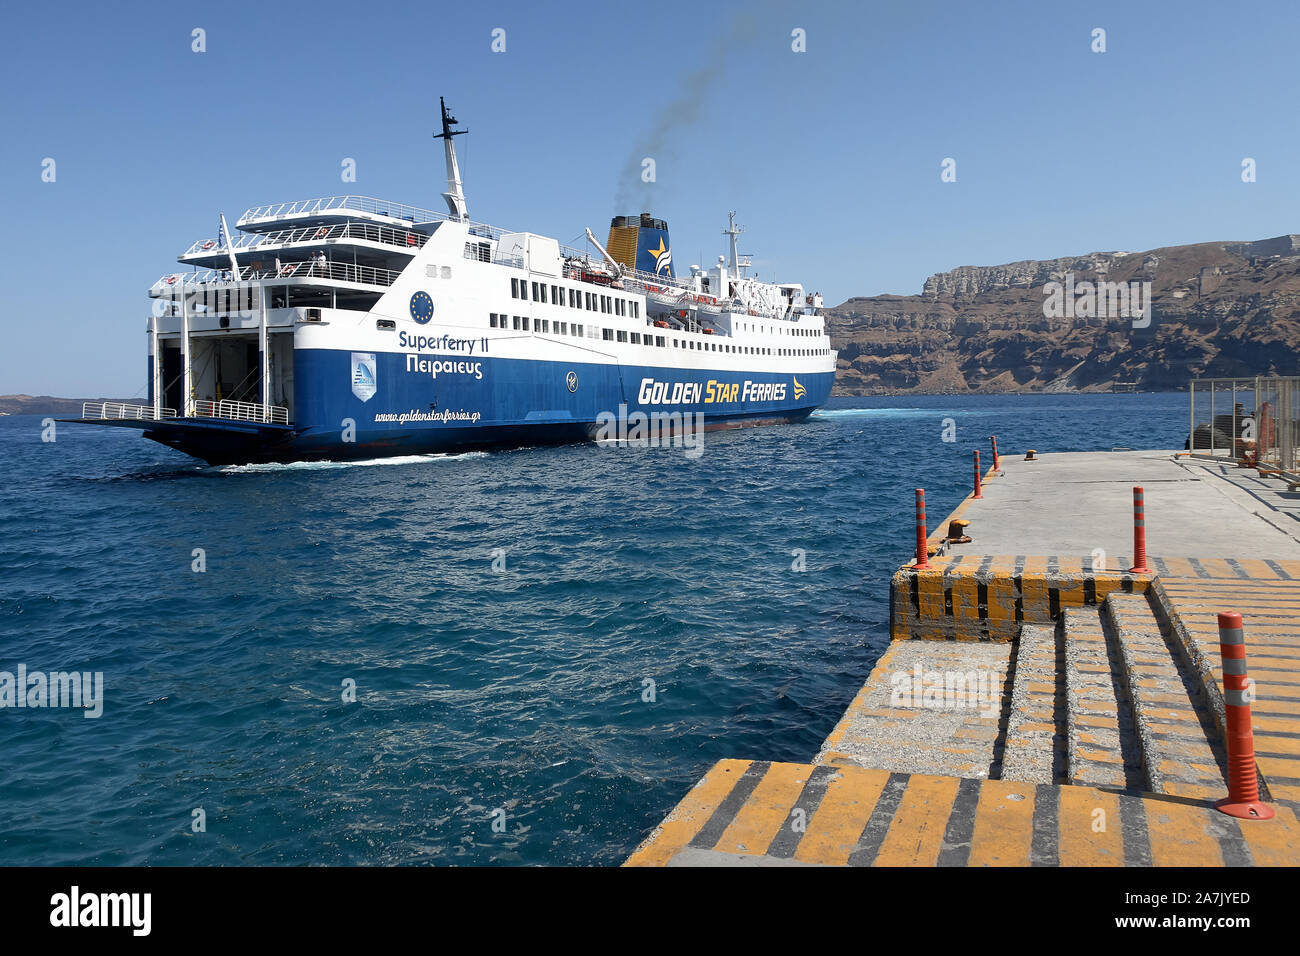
point(1180, 568)
point(1004, 824)
point(1273, 842)
point(1086, 837)
point(688, 816)
point(836, 826)
point(916, 833)
point(766, 810)
point(965, 598)
point(1178, 835)
point(1002, 599)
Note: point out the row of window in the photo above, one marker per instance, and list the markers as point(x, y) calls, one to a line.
point(523, 323)
point(576, 298)
point(782, 329)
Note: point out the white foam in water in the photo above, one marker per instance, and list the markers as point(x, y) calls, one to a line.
point(325, 465)
point(936, 413)
point(875, 412)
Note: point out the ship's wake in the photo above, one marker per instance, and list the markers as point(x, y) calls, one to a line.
point(293, 466)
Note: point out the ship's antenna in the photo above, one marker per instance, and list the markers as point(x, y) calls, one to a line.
point(455, 194)
point(733, 231)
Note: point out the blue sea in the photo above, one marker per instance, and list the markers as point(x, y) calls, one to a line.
point(655, 613)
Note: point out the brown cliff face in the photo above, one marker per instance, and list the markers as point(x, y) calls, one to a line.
point(1216, 309)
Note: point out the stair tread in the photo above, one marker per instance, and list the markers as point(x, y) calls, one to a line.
point(1183, 755)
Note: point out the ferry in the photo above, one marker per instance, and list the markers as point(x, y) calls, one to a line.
point(353, 328)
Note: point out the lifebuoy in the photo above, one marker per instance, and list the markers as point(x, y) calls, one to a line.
point(410, 239)
point(209, 244)
point(287, 268)
point(171, 280)
point(322, 232)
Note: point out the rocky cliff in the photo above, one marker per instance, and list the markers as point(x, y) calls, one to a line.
point(1216, 308)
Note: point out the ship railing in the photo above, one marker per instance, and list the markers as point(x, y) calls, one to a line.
point(242, 412)
point(170, 285)
point(342, 205)
point(1256, 420)
point(367, 231)
point(652, 283)
point(124, 411)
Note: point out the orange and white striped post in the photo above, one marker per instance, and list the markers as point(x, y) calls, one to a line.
point(922, 552)
point(1238, 691)
point(979, 488)
point(1139, 532)
point(994, 440)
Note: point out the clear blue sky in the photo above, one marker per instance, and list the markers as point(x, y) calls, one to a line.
point(831, 157)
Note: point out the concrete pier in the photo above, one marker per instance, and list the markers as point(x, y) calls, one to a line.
point(1041, 704)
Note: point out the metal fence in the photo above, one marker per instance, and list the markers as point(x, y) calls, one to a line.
point(242, 412)
point(1254, 420)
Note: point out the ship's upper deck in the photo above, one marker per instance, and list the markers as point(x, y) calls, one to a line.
point(333, 209)
point(362, 241)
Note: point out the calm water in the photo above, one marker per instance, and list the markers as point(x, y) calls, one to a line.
point(476, 690)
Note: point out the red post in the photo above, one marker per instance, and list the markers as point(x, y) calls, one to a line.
point(979, 488)
point(996, 466)
point(1139, 533)
point(922, 552)
point(1238, 691)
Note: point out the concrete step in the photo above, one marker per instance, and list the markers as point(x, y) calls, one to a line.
point(1103, 748)
point(1034, 745)
point(932, 707)
point(1182, 751)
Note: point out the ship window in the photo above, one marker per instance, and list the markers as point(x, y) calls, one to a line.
point(636, 310)
point(492, 320)
point(535, 299)
point(607, 335)
point(516, 323)
point(514, 288)
point(385, 325)
point(525, 320)
point(622, 335)
point(577, 330)
point(659, 341)
point(636, 338)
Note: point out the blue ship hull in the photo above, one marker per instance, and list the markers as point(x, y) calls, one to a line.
point(405, 404)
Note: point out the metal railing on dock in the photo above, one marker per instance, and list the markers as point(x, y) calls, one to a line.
point(1255, 420)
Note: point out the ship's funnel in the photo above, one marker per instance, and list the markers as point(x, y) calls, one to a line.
point(641, 242)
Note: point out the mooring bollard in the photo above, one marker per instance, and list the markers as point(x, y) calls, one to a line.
point(979, 488)
point(994, 439)
point(1139, 533)
point(922, 553)
point(1243, 784)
